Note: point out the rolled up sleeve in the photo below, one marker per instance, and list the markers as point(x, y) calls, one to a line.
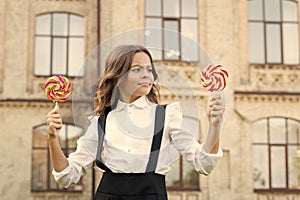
point(186, 143)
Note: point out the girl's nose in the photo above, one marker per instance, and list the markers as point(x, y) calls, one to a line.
point(145, 74)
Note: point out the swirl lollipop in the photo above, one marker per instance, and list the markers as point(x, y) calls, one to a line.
point(214, 78)
point(58, 88)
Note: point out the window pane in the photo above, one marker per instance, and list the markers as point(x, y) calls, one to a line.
point(76, 56)
point(190, 176)
point(59, 62)
point(189, 47)
point(255, 10)
point(189, 8)
point(290, 43)
point(40, 137)
point(261, 166)
point(76, 25)
point(153, 7)
point(43, 24)
point(60, 24)
point(173, 177)
point(273, 43)
point(171, 40)
point(294, 167)
point(171, 8)
point(42, 56)
point(39, 170)
point(256, 43)
point(290, 12)
point(277, 130)
point(272, 10)
point(293, 132)
point(260, 131)
point(154, 38)
point(278, 168)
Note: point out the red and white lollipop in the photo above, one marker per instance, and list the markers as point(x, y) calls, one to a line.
point(214, 78)
point(58, 88)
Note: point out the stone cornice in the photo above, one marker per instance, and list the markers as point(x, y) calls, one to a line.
point(273, 78)
point(266, 96)
point(36, 103)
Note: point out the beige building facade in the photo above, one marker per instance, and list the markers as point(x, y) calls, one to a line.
point(259, 97)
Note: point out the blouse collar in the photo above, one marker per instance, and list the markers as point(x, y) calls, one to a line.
point(141, 102)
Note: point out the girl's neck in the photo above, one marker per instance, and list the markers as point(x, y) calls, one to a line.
point(129, 99)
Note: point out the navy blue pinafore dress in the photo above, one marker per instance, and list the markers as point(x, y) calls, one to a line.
point(133, 186)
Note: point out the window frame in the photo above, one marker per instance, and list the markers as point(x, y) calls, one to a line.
point(178, 19)
point(52, 37)
point(286, 144)
point(181, 186)
point(281, 23)
point(66, 150)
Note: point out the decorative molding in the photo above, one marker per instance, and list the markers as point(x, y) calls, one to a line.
point(38, 103)
point(275, 78)
point(28, 104)
point(254, 97)
point(179, 76)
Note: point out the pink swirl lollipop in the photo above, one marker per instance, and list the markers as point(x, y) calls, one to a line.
point(58, 88)
point(214, 78)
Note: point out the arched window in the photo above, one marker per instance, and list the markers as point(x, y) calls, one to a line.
point(42, 179)
point(276, 154)
point(179, 16)
point(59, 44)
point(182, 175)
point(273, 32)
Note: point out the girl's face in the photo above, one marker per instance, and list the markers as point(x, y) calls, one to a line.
point(139, 79)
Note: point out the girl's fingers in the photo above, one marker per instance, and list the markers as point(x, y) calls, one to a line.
point(215, 102)
point(217, 113)
point(55, 110)
point(215, 107)
point(55, 125)
point(53, 116)
point(57, 120)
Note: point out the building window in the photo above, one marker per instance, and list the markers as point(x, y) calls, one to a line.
point(276, 154)
point(59, 44)
point(273, 32)
point(182, 175)
point(176, 33)
point(42, 179)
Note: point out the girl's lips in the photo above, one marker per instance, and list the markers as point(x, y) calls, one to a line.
point(145, 84)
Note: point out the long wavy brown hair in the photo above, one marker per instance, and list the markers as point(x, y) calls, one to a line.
point(117, 65)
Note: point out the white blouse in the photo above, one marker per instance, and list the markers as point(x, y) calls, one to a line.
point(127, 143)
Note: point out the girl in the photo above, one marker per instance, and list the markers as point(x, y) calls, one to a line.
point(130, 135)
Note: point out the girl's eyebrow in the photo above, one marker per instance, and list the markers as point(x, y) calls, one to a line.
point(143, 65)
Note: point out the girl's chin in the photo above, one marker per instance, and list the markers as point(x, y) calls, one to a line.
point(141, 93)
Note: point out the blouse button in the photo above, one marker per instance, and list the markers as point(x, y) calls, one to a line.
point(128, 150)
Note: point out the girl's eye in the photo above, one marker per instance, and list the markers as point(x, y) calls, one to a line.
point(136, 69)
point(150, 70)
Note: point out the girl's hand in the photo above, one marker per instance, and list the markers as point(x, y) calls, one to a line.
point(54, 121)
point(215, 110)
